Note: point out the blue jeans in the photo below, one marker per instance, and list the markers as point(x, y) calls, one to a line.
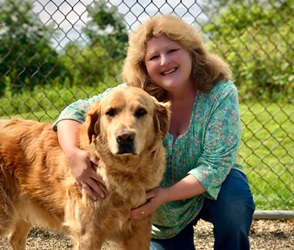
point(231, 215)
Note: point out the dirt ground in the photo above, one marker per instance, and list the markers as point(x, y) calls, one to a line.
point(265, 235)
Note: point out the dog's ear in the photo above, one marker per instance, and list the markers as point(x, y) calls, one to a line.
point(93, 121)
point(162, 117)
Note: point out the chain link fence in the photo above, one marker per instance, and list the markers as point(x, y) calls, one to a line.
point(54, 52)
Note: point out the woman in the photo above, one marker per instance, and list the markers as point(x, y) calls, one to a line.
point(203, 179)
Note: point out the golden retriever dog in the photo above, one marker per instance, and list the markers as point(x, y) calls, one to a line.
point(124, 130)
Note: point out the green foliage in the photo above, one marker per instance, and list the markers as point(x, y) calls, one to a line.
point(27, 59)
point(255, 40)
point(100, 60)
point(26, 56)
point(112, 35)
point(89, 66)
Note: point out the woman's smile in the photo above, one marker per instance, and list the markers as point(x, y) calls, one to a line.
point(168, 72)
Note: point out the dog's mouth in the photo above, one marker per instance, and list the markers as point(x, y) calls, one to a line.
point(126, 148)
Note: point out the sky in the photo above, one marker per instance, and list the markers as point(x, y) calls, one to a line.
point(69, 16)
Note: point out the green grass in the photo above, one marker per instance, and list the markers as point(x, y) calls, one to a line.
point(267, 150)
point(267, 154)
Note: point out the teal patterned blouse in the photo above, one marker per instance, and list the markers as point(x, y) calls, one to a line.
point(207, 150)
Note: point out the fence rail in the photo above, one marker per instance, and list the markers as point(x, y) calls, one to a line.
point(56, 51)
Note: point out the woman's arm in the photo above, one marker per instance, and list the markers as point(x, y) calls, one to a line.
point(186, 188)
point(81, 166)
point(221, 139)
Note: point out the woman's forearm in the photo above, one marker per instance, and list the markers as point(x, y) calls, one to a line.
point(184, 189)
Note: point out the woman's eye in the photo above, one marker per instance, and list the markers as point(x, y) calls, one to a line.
point(172, 50)
point(153, 58)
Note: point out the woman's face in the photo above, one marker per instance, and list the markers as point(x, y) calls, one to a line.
point(168, 64)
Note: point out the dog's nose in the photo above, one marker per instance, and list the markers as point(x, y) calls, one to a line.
point(125, 141)
point(124, 136)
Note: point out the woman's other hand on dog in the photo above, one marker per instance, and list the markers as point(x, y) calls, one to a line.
point(186, 188)
point(155, 198)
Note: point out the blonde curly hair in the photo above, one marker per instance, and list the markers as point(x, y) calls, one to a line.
point(207, 69)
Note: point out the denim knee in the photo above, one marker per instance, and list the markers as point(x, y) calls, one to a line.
point(232, 213)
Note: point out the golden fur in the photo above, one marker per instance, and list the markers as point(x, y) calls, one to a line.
point(125, 130)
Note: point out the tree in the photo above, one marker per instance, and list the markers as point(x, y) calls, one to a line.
point(254, 37)
point(26, 57)
point(100, 60)
point(106, 28)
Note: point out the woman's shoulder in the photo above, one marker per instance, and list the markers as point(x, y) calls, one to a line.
point(225, 86)
point(223, 91)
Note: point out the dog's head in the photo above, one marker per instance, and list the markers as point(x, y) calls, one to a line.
point(128, 120)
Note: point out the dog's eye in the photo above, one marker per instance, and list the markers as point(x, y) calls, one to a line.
point(140, 112)
point(110, 112)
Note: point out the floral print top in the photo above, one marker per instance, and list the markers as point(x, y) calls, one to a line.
point(207, 150)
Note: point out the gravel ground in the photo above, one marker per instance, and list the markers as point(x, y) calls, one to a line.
point(265, 235)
